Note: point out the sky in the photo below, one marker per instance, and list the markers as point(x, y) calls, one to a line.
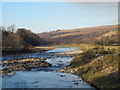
point(49, 16)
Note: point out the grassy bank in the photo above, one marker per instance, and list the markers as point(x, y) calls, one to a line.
point(87, 46)
point(98, 66)
point(81, 46)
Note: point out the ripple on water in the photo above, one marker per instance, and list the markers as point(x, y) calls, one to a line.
point(41, 79)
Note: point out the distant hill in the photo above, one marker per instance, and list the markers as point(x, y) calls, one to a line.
point(95, 35)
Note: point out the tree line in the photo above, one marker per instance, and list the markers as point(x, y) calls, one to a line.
point(19, 39)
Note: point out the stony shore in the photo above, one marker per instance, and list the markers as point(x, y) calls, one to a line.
point(22, 65)
point(75, 72)
point(72, 53)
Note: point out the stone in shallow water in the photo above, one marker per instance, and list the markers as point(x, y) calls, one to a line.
point(76, 83)
point(62, 70)
point(60, 61)
point(62, 75)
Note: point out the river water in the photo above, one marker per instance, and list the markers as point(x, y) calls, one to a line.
point(48, 77)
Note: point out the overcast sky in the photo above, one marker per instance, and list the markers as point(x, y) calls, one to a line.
point(49, 16)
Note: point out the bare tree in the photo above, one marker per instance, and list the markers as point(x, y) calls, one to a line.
point(11, 28)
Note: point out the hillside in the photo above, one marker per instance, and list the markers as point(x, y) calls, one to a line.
point(93, 35)
point(99, 67)
point(109, 34)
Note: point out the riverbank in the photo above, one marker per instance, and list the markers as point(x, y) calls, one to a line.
point(82, 47)
point(98, 67)
point(71, 53)
point(85, 47)
point(37, 49)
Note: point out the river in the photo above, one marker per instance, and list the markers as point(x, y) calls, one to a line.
point(48, 77)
